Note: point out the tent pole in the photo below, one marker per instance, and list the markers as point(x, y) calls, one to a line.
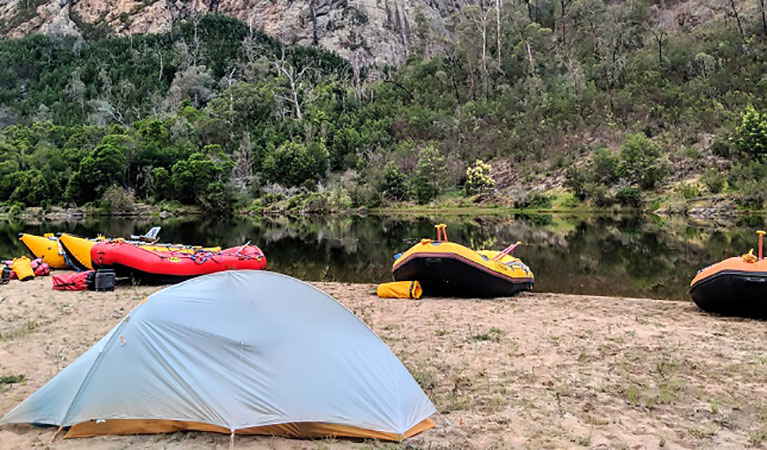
point(53, 438)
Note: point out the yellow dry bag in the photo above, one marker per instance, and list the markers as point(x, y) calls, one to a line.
point(400, 289)
point(23, 268)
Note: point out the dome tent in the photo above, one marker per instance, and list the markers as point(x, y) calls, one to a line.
point(246, 352)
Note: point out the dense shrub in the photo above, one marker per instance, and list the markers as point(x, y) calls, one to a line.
point(365, 195)
point(605, 166)
point(534, 200)
point(478, 179)
point(599, 194)
point(720, 147)
point(752, 195)
point(294, 163)
point(430, 174)
point(751, 133)
point(575, 180)
point(162, 183)
point(713, 180)
point(29, 188)
point(629, 196)
point(689, 191)
point(118, 200)
point(642, 161)
point(218, 197)
point(102, 168)
point(747, 171)
point(394, 183)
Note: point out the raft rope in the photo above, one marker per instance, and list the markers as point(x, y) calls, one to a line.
point(750, 257)
point(201, 256)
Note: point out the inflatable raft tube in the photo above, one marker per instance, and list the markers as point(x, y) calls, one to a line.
point(733, 287)
point(449, 269)
point(45, 247)
point(169, 266)
point(78, 249)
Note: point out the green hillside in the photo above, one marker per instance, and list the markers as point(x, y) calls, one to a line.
point(604, 104)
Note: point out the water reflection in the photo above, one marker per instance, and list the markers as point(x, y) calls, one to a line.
point(626, 256)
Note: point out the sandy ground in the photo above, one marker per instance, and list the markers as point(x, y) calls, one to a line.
point(536, 371)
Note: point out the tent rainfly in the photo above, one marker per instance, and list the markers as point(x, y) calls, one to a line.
point(237, 352)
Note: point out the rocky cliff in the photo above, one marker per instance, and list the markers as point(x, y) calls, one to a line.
point(366, 31)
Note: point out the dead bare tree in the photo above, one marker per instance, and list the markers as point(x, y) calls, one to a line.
point(764, 17)
point(498, 28)
point(529, 10)
point(294, 79)
point(660, 35)
point(737, 20)
point(356, 64)
point(658, 26)
point(242, 170)
point(479, 16)
point(564, 4)
point(162, 63)
point(196, 42)
point(229, 79)
point(524, 39)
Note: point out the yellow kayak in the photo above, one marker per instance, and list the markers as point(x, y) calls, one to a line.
point(78, 249)
point(45, 247)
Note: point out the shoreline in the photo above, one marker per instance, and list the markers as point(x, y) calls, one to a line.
point(78, 214)
point(536, 370)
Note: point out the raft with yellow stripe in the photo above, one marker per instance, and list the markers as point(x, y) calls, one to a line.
point(445, 268)
point(45, 247)
point(78, 250)
point(736, 286)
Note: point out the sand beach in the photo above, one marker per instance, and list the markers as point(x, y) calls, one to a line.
point(534, 371)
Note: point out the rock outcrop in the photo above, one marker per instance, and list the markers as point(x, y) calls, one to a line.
point(364, 31)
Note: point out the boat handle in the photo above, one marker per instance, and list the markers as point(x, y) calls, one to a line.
point(756, 280)
point(433, 262)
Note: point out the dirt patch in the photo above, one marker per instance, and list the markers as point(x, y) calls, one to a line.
point(537, 371)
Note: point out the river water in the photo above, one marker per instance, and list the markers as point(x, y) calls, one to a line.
point(580, 254)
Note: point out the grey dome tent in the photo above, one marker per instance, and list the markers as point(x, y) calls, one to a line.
point(245, 352)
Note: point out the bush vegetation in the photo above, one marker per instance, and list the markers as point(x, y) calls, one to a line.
point(212, 111)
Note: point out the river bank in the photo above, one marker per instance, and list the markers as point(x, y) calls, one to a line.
point(616, 255)
point(539, 370)
point(712, 208)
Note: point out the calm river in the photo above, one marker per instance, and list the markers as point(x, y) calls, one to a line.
point(582, 254)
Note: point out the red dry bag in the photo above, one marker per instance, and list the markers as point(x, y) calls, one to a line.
point(40, 267)
point(72, 281)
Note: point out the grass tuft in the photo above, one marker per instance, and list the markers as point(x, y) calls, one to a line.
point(12, 379)
point(493, 335)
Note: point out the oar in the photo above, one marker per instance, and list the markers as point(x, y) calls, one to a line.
point(241, 248)
point(506, 251)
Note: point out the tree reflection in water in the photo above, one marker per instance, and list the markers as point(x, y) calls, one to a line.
point(584, 254)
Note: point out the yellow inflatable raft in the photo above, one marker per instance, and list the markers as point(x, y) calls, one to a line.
point(78, 250)
point(448, 269)
point(45, 247)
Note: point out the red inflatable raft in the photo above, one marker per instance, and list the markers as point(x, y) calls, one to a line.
point(148, 265)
